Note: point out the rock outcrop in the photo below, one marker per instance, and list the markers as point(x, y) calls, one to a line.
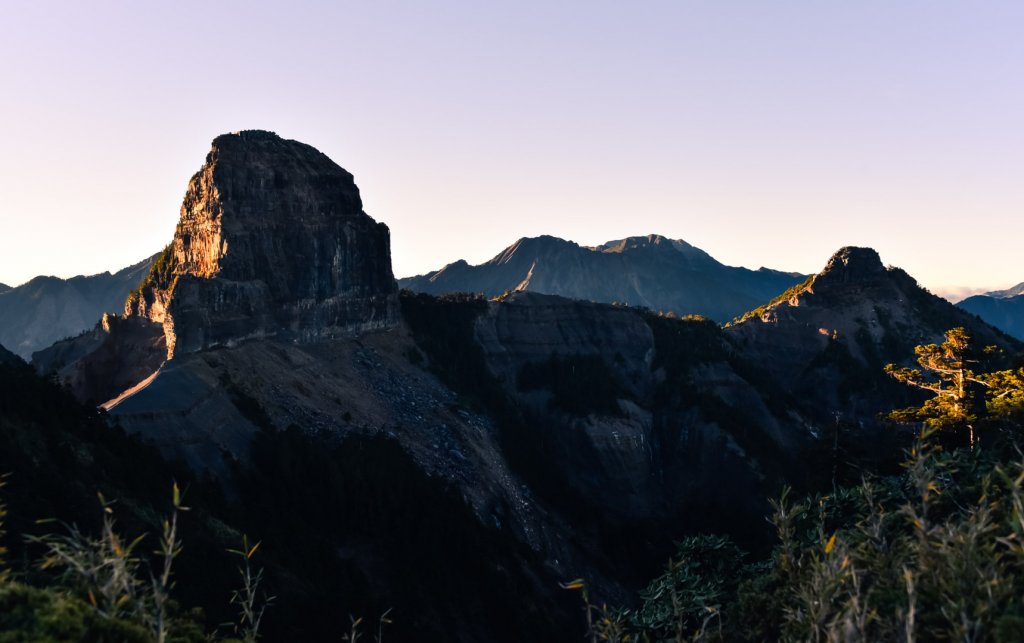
point(828, 339)
point(272, 242)
point(852, 265)
point(650, 271)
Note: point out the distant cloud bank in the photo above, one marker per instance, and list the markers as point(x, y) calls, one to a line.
point(954, 294)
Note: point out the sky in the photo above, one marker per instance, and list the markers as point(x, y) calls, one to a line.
point(768, 133)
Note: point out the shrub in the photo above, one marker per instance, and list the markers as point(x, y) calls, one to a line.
point(936, 553)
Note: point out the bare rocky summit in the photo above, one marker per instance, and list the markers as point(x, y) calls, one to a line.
point(272, 241)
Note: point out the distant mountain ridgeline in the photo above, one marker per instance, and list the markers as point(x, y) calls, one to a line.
point(7, 356)
point(1008, 293)
point(36, 314)
point(652, 271)
point(1004, 309)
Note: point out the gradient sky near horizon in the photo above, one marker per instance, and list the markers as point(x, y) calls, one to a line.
point(767, 132)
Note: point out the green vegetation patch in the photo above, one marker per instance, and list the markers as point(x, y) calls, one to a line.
point(786, 296)
point(33, 615)
point(161, 275)
point(932, 554)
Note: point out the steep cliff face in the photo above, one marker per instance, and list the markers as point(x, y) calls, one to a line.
point(272, 241)
point(647, 414)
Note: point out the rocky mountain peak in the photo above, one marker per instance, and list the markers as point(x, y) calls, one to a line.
point(631, 243)
point(657, 243)
point(272, 241)
point(854, 312)
point(851, 265)
point(651, 271)
point(529, 248)
point(1016, 291)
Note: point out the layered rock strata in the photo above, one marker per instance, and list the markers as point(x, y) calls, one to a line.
point(272, 242)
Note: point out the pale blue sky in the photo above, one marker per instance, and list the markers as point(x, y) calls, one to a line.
point(767, 132)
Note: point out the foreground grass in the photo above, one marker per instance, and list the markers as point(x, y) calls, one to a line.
point(934, 554)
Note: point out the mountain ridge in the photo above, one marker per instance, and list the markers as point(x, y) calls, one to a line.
point(835, 332)
point(7, 356)
point(1004, 311)
point(652, 271)
point(46, 308)
point(1013, 291)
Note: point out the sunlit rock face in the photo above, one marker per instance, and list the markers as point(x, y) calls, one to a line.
point(272, 241)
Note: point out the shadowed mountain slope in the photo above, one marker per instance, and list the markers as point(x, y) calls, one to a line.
point(652, 271)
point(46, 309)
point(1004, 309)
point(7, 356)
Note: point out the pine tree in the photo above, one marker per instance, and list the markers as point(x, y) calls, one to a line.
point(948, 373)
